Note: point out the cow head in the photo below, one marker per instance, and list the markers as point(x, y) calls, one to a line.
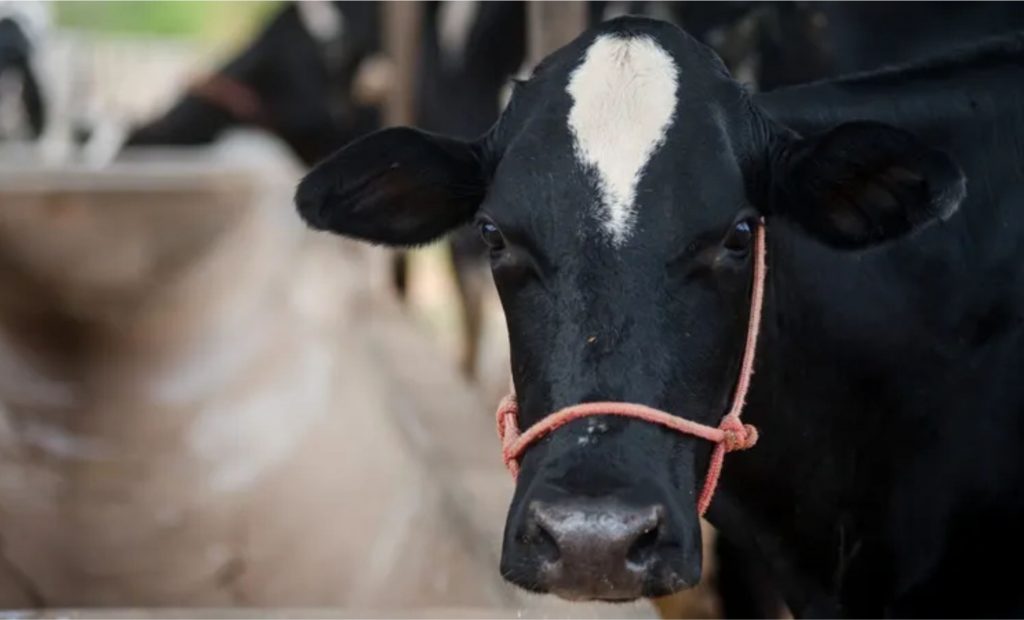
point(617, 194)
point(297, 79)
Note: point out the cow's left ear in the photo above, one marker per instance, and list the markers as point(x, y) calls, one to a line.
point(863, 183)
point(397, 186)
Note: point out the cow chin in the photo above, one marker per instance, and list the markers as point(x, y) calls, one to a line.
point(604, 519)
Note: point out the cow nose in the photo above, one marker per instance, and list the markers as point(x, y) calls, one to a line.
point(594, 549)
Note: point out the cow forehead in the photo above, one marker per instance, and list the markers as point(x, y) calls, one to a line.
point(624, 98)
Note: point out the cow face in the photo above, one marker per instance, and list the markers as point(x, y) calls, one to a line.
point(618, 194)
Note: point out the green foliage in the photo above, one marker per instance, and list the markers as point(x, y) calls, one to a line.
point(209, 20)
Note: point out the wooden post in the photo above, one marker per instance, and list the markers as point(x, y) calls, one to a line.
point(402, 23)
point(552, 24)
point(401, 42)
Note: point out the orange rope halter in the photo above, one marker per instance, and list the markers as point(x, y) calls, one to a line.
point(730, 435)
point(231, 95)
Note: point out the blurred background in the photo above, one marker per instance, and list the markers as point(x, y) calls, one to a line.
point(205, 405)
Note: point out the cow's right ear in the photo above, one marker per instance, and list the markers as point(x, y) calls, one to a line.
point(398, 186)
point(863, 183)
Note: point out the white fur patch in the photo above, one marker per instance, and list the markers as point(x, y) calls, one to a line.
point(624, 98)
point(33, 17)
point(454, 23)
point(322, 20)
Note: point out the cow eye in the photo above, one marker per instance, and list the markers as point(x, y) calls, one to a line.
point(491, 235)
point(740, 236)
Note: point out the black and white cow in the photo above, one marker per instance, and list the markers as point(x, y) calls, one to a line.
point(618, 194)
point(22, 108)
point(295, 80)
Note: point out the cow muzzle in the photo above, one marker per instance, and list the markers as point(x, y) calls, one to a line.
point(600, 549)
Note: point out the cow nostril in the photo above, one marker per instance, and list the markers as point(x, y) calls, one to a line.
point(542, 541)
point(643, 551)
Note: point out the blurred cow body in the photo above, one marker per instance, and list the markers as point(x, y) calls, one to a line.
point(859, 36)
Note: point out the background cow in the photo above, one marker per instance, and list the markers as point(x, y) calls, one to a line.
point(296, 80)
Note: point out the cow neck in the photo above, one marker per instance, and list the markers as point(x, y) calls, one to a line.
point(730, 434)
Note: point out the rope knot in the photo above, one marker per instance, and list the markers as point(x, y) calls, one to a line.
point(738, 436)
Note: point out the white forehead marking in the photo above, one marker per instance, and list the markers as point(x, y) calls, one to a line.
point(624, 97)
